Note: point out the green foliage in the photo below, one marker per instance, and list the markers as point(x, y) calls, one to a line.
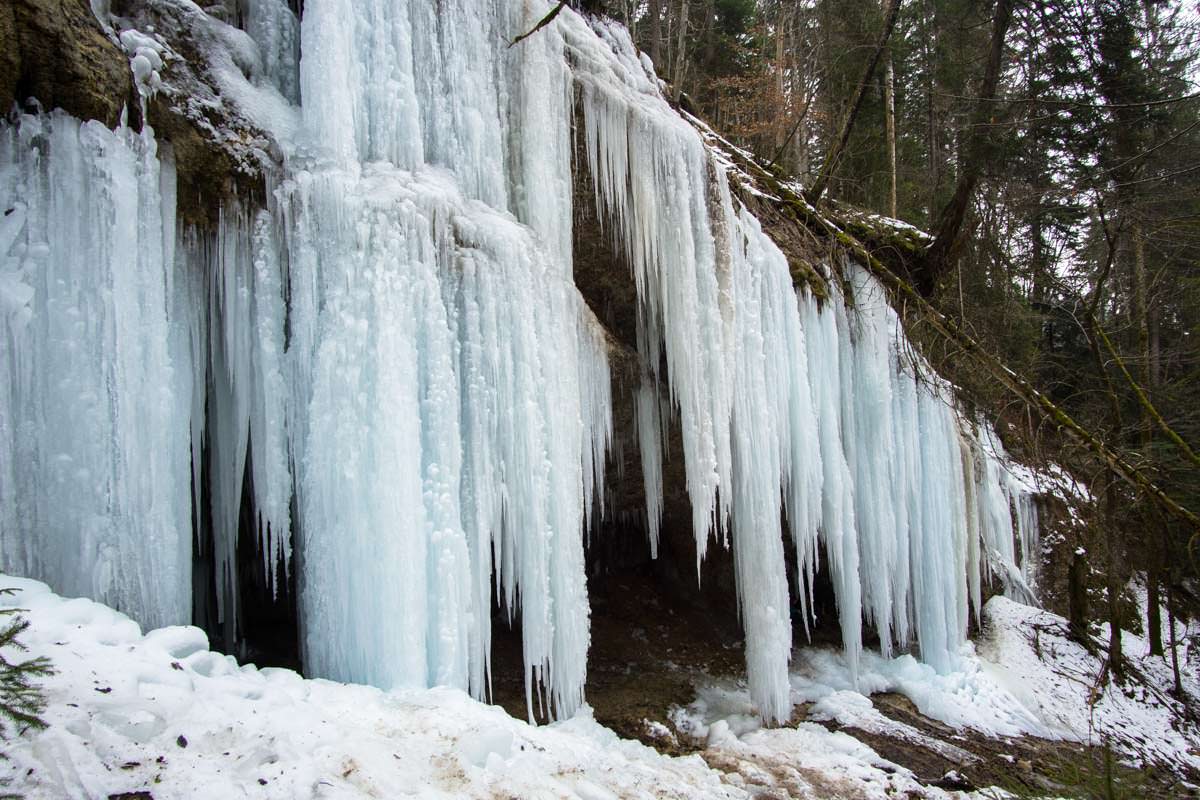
point(21, 699)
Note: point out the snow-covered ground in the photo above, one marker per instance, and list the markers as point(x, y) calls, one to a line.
point(1024, 677)
point(1027, 652)
point(161, 713)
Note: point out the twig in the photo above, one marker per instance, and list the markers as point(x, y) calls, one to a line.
point(546, 20)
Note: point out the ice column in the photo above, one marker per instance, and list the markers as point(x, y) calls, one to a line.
point(95, 401)
point(453, 411)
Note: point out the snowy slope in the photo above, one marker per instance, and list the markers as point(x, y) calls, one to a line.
point(1027, 651)
point(1024, 677)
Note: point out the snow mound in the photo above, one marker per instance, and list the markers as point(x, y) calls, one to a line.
point(162, 713)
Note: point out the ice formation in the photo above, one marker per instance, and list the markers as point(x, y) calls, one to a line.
point(785, 404)
point(94, 471)
point(393, 354)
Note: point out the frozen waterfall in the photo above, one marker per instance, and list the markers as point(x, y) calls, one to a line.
point(391, 359)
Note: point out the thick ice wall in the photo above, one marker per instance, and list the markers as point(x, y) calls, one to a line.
point(94, 405)
point(458, 418)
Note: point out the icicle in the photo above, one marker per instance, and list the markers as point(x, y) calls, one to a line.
point(774, 394)
point(648, 420)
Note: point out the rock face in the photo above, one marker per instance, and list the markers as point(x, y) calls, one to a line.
point(220, 154)
point(56, 51)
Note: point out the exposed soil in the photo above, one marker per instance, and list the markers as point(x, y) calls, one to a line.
point(648, 652)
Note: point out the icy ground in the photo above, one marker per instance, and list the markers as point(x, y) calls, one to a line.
point(160, 713)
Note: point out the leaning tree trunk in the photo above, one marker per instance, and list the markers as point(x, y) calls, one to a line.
point(813, 195)
point(949, 225)
point(889, 112)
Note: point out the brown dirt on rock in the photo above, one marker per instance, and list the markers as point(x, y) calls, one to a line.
point(56, 52)
point(648, 652)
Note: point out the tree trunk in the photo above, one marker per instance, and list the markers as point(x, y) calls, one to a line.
point(1142, 322)
point(1153, 608)
point(1146, 434)
point(655, 14)
point(1174, 643)
point(1038, 257)
point(680, 70)
point(1112, 540)
point(813, 195)
point(889, 111)
point(950, 222)
point(780, 89)
point(933, 142)
point(1077, 598)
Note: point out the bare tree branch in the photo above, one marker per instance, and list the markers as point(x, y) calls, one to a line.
point(546, 20)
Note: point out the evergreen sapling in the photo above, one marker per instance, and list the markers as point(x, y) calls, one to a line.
point(21, 699)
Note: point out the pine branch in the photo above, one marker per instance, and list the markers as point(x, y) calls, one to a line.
point(21, 699)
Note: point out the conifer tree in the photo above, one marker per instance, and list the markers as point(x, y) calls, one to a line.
point(21, 698)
